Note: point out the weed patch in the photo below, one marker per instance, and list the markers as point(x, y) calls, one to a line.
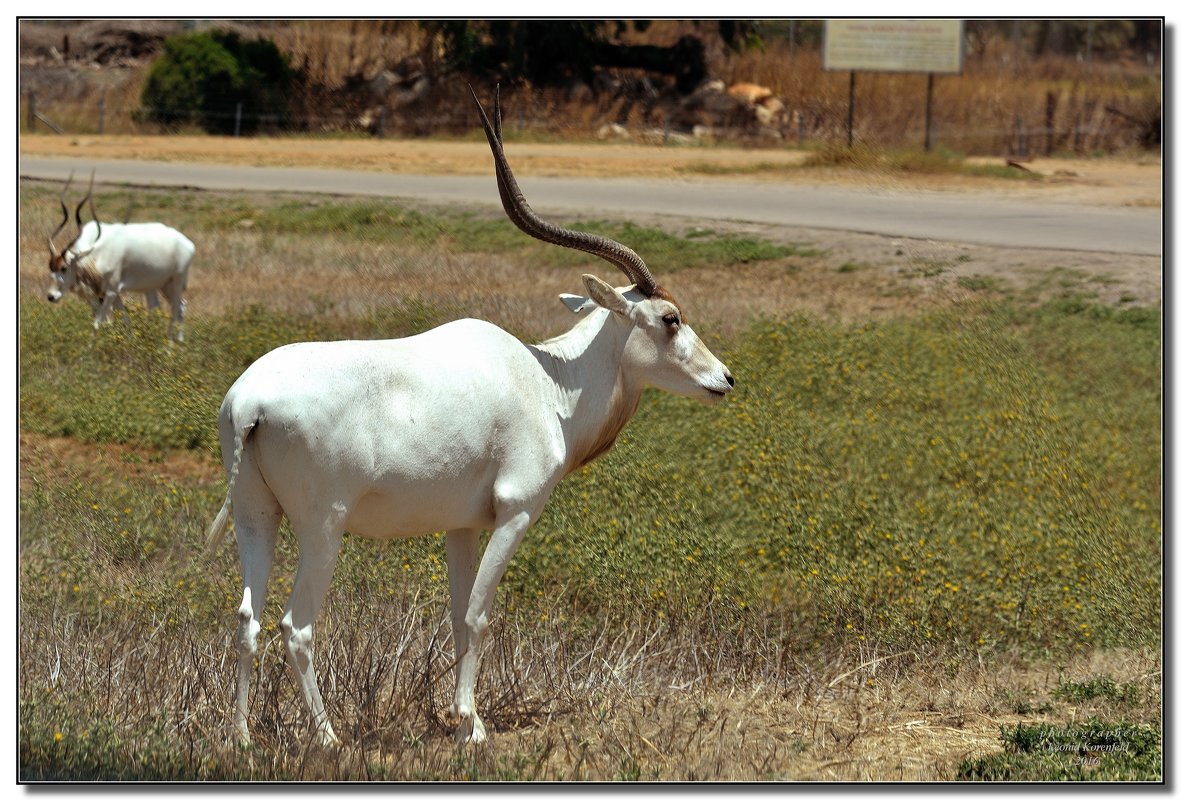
point(1097, 687)
point(134, 387)
point(1091, 751)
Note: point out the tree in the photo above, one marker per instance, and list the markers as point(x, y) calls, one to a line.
point(201, 78)
point(549, 52)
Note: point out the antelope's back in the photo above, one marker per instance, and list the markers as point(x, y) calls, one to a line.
point(408, 433)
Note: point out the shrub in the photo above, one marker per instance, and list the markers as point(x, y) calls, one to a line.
point(201, 79)
point(1090, 751)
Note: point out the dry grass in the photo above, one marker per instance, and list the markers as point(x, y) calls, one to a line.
point(850, 276)
point(331, 51)
point(307, 274)
point(647, 703)
point(975, 112)
point(1064, 105)
point(566, 699)
point(311, 275)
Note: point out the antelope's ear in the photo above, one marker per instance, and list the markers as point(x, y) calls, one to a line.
point(577, 303)
point(606, 295)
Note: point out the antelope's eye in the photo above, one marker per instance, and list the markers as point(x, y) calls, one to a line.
point(671, 319)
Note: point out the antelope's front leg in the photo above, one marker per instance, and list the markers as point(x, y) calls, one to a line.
point(501, 547)
point(103, 313)
point(462, 545)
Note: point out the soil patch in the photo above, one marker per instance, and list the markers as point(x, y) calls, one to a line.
point(1110, 182)
point(69, 460)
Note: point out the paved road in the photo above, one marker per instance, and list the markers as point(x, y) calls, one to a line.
point(942, 216)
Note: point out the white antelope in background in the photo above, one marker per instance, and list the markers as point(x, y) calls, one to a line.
point(103, 261)
point(462, 428)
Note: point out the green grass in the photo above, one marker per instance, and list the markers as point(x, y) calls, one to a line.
point(387, 223)
point(934, 479)
point(981, 283)
point(138, 389)
point(908, 482)
point(941, 483)
point(1092, 751)
point(1101, 687)
point(757, 168)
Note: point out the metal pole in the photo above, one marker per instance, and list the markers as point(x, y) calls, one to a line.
point(238, 119)
point(102, 111)
point(32, 111)
point(852, 87)
point(930, 92)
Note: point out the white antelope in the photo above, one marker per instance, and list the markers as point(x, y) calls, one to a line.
point(103, 261)
point(462, 428)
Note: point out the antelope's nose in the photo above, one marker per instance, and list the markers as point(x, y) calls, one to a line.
point(729, 378)
point(53, 297)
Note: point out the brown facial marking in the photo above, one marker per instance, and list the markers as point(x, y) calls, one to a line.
point(663, 294)
point(88, 276)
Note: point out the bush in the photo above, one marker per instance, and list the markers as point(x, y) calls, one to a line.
point(1091, 751)
point(201, 79)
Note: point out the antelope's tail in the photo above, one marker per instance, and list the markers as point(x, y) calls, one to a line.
point(217, 529)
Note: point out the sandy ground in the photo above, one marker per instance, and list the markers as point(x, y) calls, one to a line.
point(1116, 182)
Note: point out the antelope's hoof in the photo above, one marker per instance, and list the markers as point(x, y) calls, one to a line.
point(471, 731)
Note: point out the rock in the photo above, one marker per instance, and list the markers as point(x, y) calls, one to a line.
point(612, 131)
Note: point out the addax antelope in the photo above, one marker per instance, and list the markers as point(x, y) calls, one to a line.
point(463, 428)
point(103, 261)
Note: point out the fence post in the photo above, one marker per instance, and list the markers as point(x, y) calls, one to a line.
point(800, 129)
point(852, 96)
point(102, 112)
point(32, 111)
point(1051, 108)
point(238, 119)
point(381, 123)
point(927, 128)
point(1022, 144)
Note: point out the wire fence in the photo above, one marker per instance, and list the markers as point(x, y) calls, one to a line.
point(1082, 129)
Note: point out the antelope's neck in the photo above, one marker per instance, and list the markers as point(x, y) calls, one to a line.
point(88, 276)
point(592, 396)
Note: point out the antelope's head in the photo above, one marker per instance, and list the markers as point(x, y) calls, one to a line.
point(63, 263)
point(661, 347)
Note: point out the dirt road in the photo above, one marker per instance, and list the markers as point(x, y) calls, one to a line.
point(1126, 273)
point(1107, 182)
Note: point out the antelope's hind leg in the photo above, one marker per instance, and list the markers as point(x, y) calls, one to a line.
point(319, 544)
point(257, 515)
point(174, 292)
